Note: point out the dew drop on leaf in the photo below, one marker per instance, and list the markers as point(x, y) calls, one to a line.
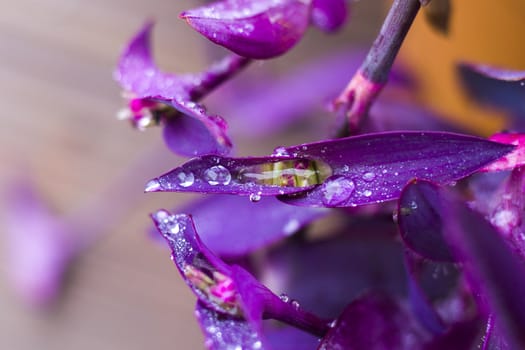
point(217, 175)
point(369, 176)
point(337, 190)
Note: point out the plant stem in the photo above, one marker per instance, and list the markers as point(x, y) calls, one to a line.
point(372, 76)
point(218, 73)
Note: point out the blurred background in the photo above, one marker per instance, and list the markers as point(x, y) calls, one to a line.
point(59, 131)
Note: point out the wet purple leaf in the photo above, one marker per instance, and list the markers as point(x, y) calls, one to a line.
point(225, 332)
point(420, 223)
point(338, 173)
point(225, 289)
point(261, 176)
point(256, 29)
point(374, 168)
point(254, 226)
point(156, 98)
point(329, 15)
point(366, 251)
point(495, 273)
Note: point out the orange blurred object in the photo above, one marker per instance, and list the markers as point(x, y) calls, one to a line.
point(481, 31)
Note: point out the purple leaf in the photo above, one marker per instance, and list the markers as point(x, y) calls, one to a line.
point(225, 289)
point(156, 98)
point(312, 271)
point(137, 72)
point(194, 132)
point(207, 276)
point(246, 176)
point(494, 271)
point(40, 246)
point(225, 332)
point(421, 304)
point(373, 322)
point(495, 72)
point(374, 168)
point(420, 223)
point(256, 29)
point(338, 173)
point(329, 15)
point(255, 226)
point(494, 87)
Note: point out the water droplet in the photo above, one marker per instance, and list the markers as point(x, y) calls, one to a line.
point(185, 179)
point(338, 190)
point(255, 197)
point(413, 205)
point(284, 297)
point(384, 171)
point(291, 227)
point(369, 176)
point(295, 304)
point(257, 345)
point(333, 323)
point(286, 173)
point(396, 173)
point(280, 151)
point(217, 175)
point(152, 186)
point(367, 193)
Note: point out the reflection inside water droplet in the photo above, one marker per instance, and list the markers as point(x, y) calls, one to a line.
point(369, 176)
point(185, 179)
point(284, 297)
point(217, 175)
point(286, 173)
point(255, 197)
point(337, 190)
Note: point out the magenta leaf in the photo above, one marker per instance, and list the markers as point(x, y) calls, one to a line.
point(256, 225)
point(257, 29)
point(329, 15)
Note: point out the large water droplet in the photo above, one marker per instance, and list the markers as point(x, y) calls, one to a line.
point(185, 179)
point(367, 193)
point(286, 173)
point(217, 175)
point(369, 176)
point(337, 190)
point(295, 304)
point(255, 197)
